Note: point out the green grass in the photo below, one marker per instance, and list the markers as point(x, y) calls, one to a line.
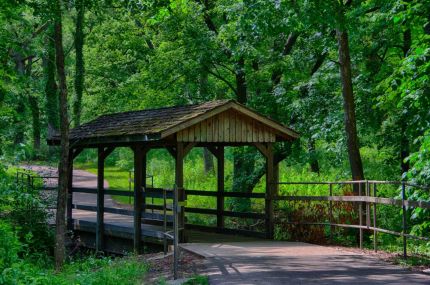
point(105, 271)
point(91, 271)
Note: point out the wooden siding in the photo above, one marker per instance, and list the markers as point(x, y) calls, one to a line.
point(228, 126)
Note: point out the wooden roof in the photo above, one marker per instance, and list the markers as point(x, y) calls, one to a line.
point(165, 123)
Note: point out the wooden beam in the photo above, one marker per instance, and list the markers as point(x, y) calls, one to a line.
point(107, 150)
point(137, 221)
point(269, 192)
point(100, 201)
point(76, 152)
point(220, 187)
point(215, 149)
point(172, 151)
point(262, 148)
point(188, 147)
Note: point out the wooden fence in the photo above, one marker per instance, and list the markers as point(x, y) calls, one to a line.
point(367, 200)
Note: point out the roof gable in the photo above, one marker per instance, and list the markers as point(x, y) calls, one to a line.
point(158, 124)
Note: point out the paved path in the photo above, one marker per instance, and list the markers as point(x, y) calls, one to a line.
point(273, 262)
point(82, 179)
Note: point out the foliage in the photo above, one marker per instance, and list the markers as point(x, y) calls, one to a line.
point(278, 57)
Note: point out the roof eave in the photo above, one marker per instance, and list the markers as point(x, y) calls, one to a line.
point(94, 141)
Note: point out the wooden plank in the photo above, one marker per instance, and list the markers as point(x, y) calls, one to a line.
point(84, 190)
point(191, 134)
point(266, 121)
point(209, 129)
point(225, 230)
point(197, 119)
point(243, 136)
point(244, 215)
point(215, 129)
point(248, 130)
point(224, 194)
point(261, 133)
point(221, 127)
point(185, 135)
point(232, 125)
point(203, 131)
point(254, 134)
point(226, 127)
point(179, 136)
point(118, 193)
point(197, 134)
point(238, 124)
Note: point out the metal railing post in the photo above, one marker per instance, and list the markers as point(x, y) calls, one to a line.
point(367, 204)
point(165, 222)
point(375, 232)
point(360, 214)
point(404, 225)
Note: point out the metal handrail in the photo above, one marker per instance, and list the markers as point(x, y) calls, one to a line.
point(404, 203)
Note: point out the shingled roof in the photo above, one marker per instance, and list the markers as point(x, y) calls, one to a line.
point(156, 124)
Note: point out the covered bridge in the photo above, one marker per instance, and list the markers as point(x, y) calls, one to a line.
point(178, 129)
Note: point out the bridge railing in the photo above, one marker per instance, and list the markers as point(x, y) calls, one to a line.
point(366, 197)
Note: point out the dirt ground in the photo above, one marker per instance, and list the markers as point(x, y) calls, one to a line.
point(161, 267)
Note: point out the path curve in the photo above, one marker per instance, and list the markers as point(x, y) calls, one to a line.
point(81, 178)
point(291, 263)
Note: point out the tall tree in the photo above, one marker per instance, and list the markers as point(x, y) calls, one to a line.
point(79, 65)
point(50, 84)
point(348, 95)
point(63, 175)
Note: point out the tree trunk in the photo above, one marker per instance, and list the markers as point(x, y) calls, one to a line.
point(208, 160)
point(313, 160)
point(241, 81)
point(79, 67)
point(349, 106)
point(19, 121)
point(404, 141)
point(35, 113)
point(51, 85)
point(63, 178)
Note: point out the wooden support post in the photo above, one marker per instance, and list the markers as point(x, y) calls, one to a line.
point(404, 225)
point(330, 192)
point(275, 186)
point(144, 152)
point(69, 209)
point(100, 200)
point(220, 187)
point(179, 181)
point(137, 221)
point(269, 192)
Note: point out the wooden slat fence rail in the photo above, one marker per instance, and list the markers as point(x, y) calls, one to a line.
point(367, 201)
